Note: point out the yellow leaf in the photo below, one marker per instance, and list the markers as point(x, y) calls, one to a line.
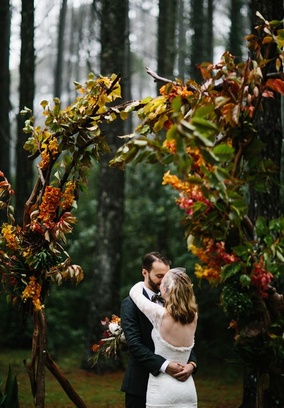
point(44, 104)
point(123, 115)
point(160, 123)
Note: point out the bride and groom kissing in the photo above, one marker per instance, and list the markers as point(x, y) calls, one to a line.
point(160, 338)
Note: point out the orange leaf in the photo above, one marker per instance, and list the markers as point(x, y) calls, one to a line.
point(95, 348)
point(276, 85)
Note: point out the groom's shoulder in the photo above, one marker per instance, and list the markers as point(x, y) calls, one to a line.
point(127, 300)
point(127, 303)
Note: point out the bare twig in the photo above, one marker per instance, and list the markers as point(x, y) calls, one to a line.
point(158, 78)
point(276, 75)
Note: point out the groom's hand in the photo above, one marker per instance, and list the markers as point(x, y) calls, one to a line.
point(174, 368)
point(185, 372)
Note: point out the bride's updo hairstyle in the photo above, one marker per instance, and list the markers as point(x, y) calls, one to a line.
point(180, 300)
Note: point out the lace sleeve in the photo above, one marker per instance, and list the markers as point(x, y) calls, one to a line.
point(153, 311)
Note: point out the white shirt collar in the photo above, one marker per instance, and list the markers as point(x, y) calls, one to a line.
point(150, 293)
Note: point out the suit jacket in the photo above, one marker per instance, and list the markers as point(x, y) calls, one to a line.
point(142, 360)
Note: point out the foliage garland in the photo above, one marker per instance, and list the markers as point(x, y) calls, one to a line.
point(33, 255)
point(206, 136)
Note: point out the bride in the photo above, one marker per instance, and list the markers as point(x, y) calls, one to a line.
point(174, 326)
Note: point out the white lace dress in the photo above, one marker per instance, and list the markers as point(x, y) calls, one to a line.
point(163, 390)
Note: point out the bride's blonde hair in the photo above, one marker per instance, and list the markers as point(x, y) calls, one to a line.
point(180, 301)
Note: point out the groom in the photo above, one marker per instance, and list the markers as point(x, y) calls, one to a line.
point(137, 329)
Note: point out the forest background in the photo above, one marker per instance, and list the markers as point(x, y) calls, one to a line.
point(123, 214)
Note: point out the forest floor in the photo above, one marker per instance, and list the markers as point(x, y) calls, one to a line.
point(217, 387)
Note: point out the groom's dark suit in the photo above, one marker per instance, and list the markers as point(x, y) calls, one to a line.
point(142, 361)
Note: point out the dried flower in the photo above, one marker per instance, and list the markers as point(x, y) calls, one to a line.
point(33, 292)
point(10, 233)
point(68, 195)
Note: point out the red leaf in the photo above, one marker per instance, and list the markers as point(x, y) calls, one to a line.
point(276, 85)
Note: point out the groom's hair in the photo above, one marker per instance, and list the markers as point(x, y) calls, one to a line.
point(148, 259)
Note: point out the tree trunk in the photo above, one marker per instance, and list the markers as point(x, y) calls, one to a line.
point(181, 40)
point(236, 34)
point(108, 245)
point(24, 172)
point(197, 41)
point(58, 77)
point(209, 32)
point(5, 17)
point(167, 50)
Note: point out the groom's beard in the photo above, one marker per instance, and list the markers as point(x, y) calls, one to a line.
point(154, 287)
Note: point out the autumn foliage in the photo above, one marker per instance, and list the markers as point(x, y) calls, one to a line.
point(205, 137)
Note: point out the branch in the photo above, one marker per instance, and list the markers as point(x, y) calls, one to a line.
point(158, 78)
point(276, 75)
point(248, 226)
point(67, 387)
point(239, 154)
point(30, 202)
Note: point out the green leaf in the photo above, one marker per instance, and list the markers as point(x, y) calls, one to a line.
point(277, 225)
point(209, 156)
point(220, 206)
point(268, 240)
point(205, 125)
point(186, 128)
point(177, 103)
point(205, 141)
point(194, 180)
point(223, 152)
point(280, 256)
point(222, 174)
point(204, 111)
point(230, 270)
point(243, 251)
point(261, 227)
point(172, 133)
point(245, 280)
point(199, 208)
point(144, 129)
point(275, 23)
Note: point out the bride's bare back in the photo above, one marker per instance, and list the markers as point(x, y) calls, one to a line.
point(177, 334)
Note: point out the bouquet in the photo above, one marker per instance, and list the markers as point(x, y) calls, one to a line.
point(112, 341)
